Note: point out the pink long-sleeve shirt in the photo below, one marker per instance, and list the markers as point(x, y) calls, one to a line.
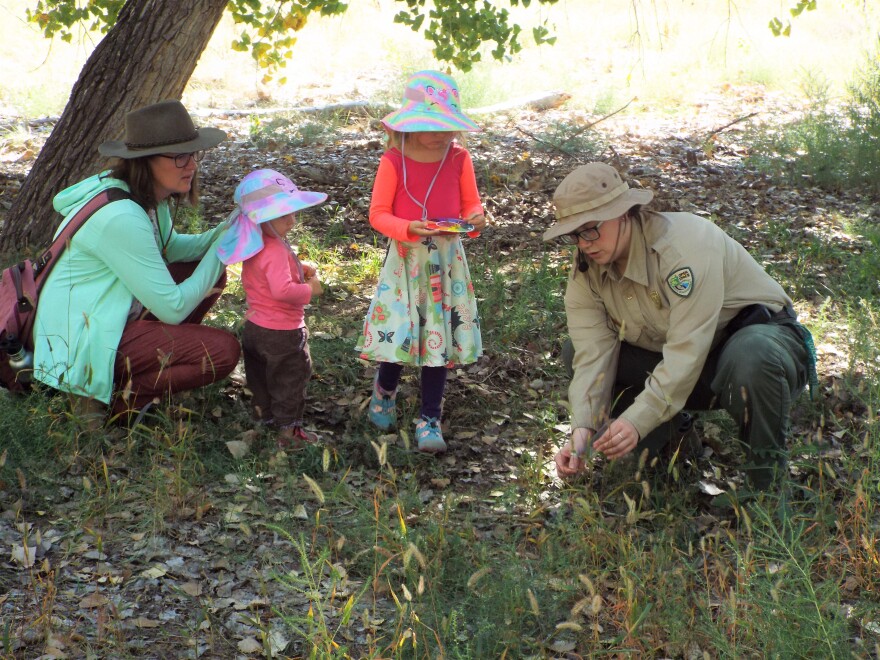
point(275, 296)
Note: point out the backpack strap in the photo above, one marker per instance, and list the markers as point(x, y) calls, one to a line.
point(24, 304)
point(43, 265)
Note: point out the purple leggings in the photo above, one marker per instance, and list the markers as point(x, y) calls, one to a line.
point(433, 385)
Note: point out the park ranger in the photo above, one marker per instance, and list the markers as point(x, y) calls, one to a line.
point(667, 313)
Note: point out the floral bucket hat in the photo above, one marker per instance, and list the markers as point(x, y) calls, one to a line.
point(261, 196)
point(430, 103)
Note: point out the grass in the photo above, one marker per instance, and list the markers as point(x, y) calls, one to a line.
point(374, 555)
point(303, 129)
point(830, 145)
point(365, 563)
point(362, 548)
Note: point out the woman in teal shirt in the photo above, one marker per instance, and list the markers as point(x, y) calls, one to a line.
point(119, 320)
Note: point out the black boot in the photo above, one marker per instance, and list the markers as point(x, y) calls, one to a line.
point(685, 439)
point(678, 434)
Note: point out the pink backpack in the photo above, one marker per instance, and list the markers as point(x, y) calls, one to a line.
point(20, 286)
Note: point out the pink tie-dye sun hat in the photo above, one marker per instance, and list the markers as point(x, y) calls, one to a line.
point(264, 195)
point(261, 196)
point(431, 103)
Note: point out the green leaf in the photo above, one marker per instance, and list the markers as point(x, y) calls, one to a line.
point(775, 26)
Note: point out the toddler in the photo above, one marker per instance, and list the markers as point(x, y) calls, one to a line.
point(277, 286)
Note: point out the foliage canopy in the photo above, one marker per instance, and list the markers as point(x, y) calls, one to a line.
point(784, 30)
point(456, 28)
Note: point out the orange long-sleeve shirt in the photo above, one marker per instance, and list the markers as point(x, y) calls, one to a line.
point(454, 193)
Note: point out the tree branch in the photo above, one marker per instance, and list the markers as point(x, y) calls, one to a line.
point(726, 126)
point(580, 131)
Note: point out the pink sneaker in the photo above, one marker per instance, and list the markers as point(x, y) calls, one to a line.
point(295, 437)
point(429, 436)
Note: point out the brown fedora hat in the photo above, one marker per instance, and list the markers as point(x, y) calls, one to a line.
point(163, 127)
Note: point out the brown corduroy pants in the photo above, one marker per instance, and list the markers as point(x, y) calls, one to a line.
point(278, 366)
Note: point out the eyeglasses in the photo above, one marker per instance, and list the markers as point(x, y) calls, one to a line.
point(182, 160)
point(588, 234)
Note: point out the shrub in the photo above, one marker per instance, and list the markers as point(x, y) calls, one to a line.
point(833, 148)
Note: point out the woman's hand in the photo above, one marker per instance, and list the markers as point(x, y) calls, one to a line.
point(570, 459)
point(567, 463)
point(619, 440)
point(419, 228)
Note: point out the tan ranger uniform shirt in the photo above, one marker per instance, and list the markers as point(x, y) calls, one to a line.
point(685, 280)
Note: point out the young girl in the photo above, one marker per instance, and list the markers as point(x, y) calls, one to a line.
point(277, 286)
point(424, 311)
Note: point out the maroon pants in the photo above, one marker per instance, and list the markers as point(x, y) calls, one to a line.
point(155, 359)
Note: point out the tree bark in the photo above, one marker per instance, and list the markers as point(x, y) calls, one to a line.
point(147, 56)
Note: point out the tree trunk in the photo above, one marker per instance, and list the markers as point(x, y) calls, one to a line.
point(147, 56)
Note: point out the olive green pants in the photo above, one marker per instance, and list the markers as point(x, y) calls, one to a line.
point(755, 376)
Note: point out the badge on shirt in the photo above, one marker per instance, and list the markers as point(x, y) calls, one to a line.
point(681, 282)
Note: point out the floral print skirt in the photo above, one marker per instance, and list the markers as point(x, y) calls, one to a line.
point(424, 311)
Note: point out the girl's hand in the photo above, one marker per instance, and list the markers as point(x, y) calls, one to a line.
point(309, 270)
point(315, 284)
point(478, 220)
point(418, 227)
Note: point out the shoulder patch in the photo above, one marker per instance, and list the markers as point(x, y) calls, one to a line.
point(681, 282)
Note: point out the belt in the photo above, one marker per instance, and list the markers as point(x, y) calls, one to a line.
point(787, 313)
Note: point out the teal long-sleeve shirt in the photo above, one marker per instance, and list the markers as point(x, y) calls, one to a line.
point(115, 258)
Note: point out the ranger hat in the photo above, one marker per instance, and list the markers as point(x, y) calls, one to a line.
point(592, 193)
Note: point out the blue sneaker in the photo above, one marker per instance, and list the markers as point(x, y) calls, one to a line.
point(428, 435)
point(383, 407)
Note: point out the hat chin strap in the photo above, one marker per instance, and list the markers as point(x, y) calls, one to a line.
point(620, 227)
point(423, 206)
point(299, 268)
